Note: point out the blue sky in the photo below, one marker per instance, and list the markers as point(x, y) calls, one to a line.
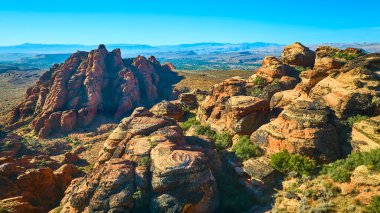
point(184, 21)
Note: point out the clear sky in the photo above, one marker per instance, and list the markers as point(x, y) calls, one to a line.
point(157, 22)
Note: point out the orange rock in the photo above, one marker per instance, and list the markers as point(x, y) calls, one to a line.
point(87, 84)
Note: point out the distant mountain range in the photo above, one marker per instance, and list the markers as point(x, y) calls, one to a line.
point(70, 48)
point(197, 56)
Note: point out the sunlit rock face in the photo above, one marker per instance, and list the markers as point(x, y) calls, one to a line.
point(146, 155)
point(87, 84)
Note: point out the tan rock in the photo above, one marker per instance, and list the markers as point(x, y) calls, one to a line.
point(302, 128)
point(298, 55)
point(365, 135)
point(168, 109)
point(354, 90)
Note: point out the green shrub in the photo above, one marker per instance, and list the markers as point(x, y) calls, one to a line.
point(205, 130)
point(259, 81)
point(276, 81)
point(285, 162)
point(341, 170)
point(141, 198)
point(346, 56)
point(145, 161)
point(191, 121)
point(301, 69)
point(151, 143)
point(356, 119)
point(3, 210)
point(374, 206)
point(254, 91)
point(245, 150)
point(223, 140)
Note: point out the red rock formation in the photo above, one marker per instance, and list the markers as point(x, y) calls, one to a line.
point(30, 184)
point(86, 84)
point(145, 159)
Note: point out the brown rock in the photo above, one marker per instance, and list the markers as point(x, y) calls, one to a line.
point(302, 128)
point(68, 120)
point(298, 55)
point(168, 109)
point(168, 66)
point(272, 67)
point(329, 58)
point(142, 146)
point(353, 90)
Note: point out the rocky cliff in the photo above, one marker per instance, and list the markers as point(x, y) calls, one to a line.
point(71, 94)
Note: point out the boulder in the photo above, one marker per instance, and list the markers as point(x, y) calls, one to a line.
point(302, 128)
point(188, 100)
point(245, 114)
point(272, 68)
point(298, 55)
point(168, 109)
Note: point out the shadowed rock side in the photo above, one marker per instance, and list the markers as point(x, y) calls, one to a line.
point(86, 84)
point(145, 165)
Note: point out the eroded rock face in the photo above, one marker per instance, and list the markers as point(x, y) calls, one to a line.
point(366, 135)
point(228, 108)
point(33, 184)
point(146, 159)
point(272, 67)
point(302, 128)
point(298, 55)
point(86, 84)
point(354, 89)
point(328, 58)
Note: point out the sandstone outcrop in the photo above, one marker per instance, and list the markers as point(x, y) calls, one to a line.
point(86, 84)
point(298, 55)
point(329, 58)
point(228, 108)
point(302, 128)
point(273, 68)
point(349, 89)
point(168, 109)
point(146, 160)
point(365, 135)
point(353, 90)
point(33, 184)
